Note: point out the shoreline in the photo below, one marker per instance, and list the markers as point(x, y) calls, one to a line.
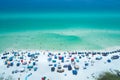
point(110, 49)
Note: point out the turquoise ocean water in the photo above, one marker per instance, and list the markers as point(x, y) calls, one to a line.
point(59, 25)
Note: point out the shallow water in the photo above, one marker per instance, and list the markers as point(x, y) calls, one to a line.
point(60, 40)
point(60, 25)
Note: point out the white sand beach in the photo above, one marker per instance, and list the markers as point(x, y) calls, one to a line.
point(90, 71)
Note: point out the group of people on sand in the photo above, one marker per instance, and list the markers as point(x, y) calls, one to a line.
point(70, 61)
point(59, 62)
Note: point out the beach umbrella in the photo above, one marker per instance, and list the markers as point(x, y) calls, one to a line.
point(74, 72)
point(55, 65)
point(72, 59)
point(22, 61)
point(60, 57)
point(42, 78)
point(109, 61)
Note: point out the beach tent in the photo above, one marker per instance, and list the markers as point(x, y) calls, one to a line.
point(62, 59)
point(34, 63)
point(115, 57)
point(50, 64)
point(18, 64)
point(80, 52)
point(65, 66)
point(18, 78)
point(24, 63)
point(80, 57)
point(21, 57)
point(16, 71)
point(10, 59)
point(44, 78)
point(69, 67)
point(37, 53)
point(74, 72)
point(84, 68)
point(94, 53)
point(22, 70)
point(98, 58)
point(59, 67)
point(77, 60)
point(105, 54)
point(6, 53)
point(54, 61)
point(60, 70)
point(35, 68)
point(13, 72)
point(52, 69)
point(55, 57)
point(5, 62)
point(76, 67)
point(29, 55)
point(49, 59)
point(4, 57)
point(86, 64)
point(29, 66)
point(11, 64)
point(15, 53)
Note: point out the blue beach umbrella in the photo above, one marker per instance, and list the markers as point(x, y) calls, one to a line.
point(74, 72)
point(109, 61)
